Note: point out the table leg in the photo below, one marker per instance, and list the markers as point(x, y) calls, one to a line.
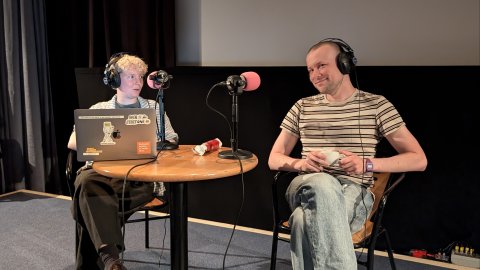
point(178, 225)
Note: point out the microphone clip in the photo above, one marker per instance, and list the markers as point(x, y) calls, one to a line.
point(158, 79)
point(235, 84)
point(160, 76)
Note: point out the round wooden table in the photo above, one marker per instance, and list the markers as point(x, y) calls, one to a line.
point(178, 167)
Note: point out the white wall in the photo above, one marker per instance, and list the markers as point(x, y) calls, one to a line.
point(278, 32)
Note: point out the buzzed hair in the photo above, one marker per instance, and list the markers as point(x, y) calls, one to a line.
point(323, 42)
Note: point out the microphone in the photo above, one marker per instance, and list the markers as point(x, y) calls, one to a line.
point(156, 79)
point(247, 81)
point(236, 84)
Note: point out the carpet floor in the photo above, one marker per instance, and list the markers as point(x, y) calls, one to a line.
point(37, 232)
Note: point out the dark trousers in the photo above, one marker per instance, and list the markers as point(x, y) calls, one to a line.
point(97, 209)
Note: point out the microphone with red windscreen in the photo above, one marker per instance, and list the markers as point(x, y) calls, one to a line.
point(236, 84)
point(247, 81)
point(157, 79)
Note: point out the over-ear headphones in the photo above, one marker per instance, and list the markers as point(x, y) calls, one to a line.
point(346, 60)
point(110, 75)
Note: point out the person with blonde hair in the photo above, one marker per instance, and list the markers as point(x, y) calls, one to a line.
point(97, 198)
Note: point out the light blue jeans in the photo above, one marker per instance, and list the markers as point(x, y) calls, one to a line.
point(326, 211)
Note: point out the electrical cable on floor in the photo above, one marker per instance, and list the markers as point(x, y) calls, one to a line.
point(241, 171)
point(122, 210)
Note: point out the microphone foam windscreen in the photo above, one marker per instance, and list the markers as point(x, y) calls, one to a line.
point(253, 80)
point(151, 83)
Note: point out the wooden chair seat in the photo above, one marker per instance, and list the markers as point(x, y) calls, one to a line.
point(384, 183)
point(155, 203)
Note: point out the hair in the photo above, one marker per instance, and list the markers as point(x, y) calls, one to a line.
point(345, 60)
point(128, 61)
point(323, 42)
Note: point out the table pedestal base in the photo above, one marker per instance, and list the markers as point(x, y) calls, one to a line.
point(178, 225)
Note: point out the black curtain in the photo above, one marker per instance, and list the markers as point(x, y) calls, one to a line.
point(41, 44)
point(27, 137)
point(87, 33)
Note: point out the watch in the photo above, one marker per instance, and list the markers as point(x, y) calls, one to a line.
point(368, 165)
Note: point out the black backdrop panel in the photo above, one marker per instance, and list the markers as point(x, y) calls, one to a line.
point(428, 210)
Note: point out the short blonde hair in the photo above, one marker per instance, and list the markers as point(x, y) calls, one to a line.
point(128, 61)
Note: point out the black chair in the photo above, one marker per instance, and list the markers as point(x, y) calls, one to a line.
point(156, 205)
point(366, 238)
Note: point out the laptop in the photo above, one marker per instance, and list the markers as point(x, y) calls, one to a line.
point(115, 134)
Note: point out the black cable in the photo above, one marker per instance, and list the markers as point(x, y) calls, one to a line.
point(157, 98)
point(215, 110)
point(163, 242)
point(363, 164)
point(241, 173)
point(123, 193)
point(239, 211)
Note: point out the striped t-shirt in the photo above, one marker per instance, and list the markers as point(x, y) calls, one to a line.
point(356, 125)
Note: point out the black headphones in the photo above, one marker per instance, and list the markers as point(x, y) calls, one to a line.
point(346, 60)
point(110, 75)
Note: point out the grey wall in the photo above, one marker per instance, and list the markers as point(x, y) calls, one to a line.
point(278, 32)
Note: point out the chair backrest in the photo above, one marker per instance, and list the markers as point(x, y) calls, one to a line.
point(281, 180)
point(90, 87)
point(381, 181)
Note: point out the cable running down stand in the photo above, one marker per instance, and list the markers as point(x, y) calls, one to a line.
point(235, 153)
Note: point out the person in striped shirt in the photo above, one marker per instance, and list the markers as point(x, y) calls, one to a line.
point(339, 129)
point(97, 198)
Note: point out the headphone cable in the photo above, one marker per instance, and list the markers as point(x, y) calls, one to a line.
point(363, 163)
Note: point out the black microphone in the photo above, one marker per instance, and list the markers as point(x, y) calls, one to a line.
point(247, 81)
point(157, 78)
point(236, 84)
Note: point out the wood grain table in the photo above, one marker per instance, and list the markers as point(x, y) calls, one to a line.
point(178, 167)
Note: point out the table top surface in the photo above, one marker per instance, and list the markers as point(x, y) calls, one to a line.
point(179, 165)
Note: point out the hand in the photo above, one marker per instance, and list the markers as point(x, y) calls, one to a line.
point(351, 163)
point(314, 162)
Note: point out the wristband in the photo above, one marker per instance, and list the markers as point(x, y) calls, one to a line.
point(368, 165)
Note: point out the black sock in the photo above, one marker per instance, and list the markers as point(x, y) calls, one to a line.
point(109, 255)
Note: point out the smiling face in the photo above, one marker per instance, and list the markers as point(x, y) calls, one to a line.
point(132, 71)
point(322, 68)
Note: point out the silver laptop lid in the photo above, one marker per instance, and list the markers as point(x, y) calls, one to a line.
point(115, 134)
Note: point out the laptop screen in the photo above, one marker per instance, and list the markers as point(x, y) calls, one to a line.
point(115, 134)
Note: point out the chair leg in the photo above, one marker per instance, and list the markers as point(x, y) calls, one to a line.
point(77, 239)
point(147, 232)
point(371, 248)
point(273, 256)
point(389, 249)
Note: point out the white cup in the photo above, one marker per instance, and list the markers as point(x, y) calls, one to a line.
point(332, 156)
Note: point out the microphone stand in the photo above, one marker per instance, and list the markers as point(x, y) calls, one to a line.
point(162, 144)
point(235, 153)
